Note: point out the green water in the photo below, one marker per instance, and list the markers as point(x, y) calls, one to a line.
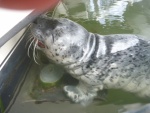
point(127, 17)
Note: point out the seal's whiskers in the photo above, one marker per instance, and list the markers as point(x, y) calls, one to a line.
point(34, 55)
point(33, 42)
point(30, 47)
point(29, 40)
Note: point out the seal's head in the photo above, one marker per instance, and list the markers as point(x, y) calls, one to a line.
point(61, 39)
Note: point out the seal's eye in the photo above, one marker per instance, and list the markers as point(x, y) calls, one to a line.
point(35, 21)
point(52, 23)
point(39, 26)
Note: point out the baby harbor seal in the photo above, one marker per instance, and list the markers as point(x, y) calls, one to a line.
point(120, 61)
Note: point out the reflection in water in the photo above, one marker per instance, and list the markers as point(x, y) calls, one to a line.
point(101, 10)
point(109, 16)
point(110, 10)
point(102, 16)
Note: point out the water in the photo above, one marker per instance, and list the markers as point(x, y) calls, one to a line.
point(97, 16)
point(110, 16)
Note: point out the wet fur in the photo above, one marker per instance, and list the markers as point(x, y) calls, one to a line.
point(120, 61)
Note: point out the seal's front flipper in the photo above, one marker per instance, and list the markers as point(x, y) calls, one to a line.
point(80, 94)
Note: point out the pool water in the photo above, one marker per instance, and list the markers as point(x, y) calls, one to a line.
point(97, 16)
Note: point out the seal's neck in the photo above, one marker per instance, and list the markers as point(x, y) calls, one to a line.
point(89, 48)
point(94, 48)
point(88, 53)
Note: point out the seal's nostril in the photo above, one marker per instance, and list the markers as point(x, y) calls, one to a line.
point(35, 21)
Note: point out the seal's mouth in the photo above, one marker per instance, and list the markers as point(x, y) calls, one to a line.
point(40, 44)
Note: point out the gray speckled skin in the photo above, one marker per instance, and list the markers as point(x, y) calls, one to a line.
point(97, 61)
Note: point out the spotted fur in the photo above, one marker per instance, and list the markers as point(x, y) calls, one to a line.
point(120, 61)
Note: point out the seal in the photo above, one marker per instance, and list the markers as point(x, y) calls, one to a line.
point(119, 61)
